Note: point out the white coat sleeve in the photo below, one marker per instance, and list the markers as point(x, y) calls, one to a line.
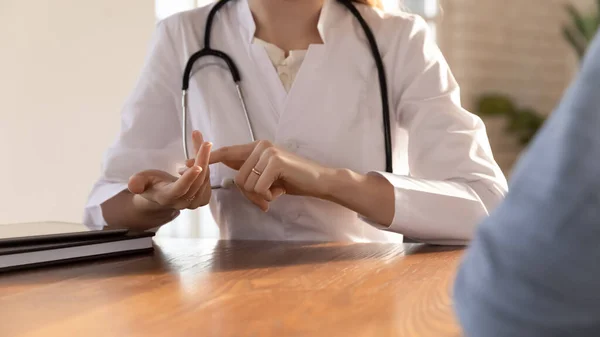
point(454, 181)
point(150, 134)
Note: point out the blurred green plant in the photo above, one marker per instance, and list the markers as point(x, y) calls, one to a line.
point(582, 28)
point(522, 122)
point(525, 122)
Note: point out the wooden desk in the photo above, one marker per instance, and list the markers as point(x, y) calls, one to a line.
point(209, 288)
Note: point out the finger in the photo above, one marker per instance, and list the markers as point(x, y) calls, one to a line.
point(232, 153)
point(263, 172)
point(151, 184)
point(182, 170)
point(270, 174)
point(137, 183)
point(203, 155)
point(257, 200)
point(183, 184)
point(202, 162)
point(277, 191)
point(254, 198)
point(188, 163)
point(199, 184)
point(197, 139)
point(203, 196)
point(142, 181)
point(234, 164)
point(245, 177)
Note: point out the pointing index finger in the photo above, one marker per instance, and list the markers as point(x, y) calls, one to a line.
point(231, 153)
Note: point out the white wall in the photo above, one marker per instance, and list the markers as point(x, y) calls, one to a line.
point(66, 67)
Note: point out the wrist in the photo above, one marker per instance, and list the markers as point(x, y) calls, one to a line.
point(154, 212)
point(336, 183)
point(371, 196)
point(128, 210)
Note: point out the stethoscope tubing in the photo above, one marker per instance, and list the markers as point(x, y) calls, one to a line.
point(235, 74)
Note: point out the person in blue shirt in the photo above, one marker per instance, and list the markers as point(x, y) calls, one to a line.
point(533, 268)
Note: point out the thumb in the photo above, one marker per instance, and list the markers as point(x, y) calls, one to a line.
point(277, 191)
point(138, 183)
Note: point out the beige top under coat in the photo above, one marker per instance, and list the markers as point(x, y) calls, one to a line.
point(287, 67)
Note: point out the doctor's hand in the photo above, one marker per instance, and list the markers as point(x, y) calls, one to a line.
point(159, 190)
point(268, 171)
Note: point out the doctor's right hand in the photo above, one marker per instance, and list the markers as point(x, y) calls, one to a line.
point(159, 190)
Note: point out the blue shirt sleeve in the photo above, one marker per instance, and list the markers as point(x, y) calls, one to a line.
point(533, 268)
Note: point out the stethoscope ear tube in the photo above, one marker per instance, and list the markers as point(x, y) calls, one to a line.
point(184, 123)
point(235, 74)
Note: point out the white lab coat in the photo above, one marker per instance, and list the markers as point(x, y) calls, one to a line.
point(445, 177)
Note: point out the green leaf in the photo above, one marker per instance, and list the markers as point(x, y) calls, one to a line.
point(575, 42)
point(525, 139)
point(495, 105)
point(531, 119)
point(522, 123)
point(591, 24)
point(577, 19)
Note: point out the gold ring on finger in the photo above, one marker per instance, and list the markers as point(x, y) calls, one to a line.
point(257, 172)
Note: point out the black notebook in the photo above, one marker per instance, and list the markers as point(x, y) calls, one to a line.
point(25, 249)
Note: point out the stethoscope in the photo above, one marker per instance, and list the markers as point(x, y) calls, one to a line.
point(235, 74)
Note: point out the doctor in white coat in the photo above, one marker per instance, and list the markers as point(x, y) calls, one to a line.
point(316, 171)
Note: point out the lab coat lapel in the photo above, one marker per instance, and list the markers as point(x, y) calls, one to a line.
point(310, 76)
point(264, 78)
point(266, 73)
point(306, 78)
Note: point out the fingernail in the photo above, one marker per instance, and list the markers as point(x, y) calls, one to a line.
point(197, 169)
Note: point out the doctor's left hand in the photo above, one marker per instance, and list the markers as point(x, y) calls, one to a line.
point(156, 190)
point(270, 171)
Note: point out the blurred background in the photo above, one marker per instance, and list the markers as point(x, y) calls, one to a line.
point(67, 66)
